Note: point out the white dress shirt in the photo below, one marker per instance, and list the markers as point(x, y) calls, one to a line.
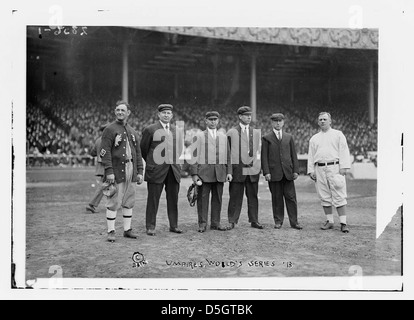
point(213, 132)
point(278, 134)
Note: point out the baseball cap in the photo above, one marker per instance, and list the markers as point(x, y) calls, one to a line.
point(244, 110)
point(277, 116)
point(212, 115)
point(164, 106)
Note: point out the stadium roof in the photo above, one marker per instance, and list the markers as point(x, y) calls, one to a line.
point(281, 53)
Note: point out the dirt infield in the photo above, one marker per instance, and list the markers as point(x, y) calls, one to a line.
point(59, 232)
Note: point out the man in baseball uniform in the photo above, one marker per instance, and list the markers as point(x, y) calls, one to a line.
point(328, 163)
point(122, 160)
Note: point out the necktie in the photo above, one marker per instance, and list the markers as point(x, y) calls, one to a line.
point(278, 135)
point(246, 131)
point(167, 128)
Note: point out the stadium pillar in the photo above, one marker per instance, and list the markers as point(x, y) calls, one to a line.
point(90, 87)
point(125, 71)
point(214, 59)
point(134, 83)
point(253, 86)
point(329, 90)
point(176, 85)
point(43, 76)
point(371, 102)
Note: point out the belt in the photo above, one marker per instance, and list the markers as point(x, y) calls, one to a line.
point(327, 163)
point(128, 160)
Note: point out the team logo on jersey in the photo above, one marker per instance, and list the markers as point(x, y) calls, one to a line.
point(118, 139)
point(103, 152)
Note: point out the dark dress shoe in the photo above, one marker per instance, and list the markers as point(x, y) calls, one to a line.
point(176, 230)
point(231, 226)
point(218, 228)
point(278, 226)
point(151, 232)
point(202, 229)
point(256, 225)
point(297, 226)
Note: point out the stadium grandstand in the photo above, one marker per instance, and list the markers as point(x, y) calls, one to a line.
point(76, 74)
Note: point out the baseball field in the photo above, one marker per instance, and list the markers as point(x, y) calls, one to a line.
point(60, 233)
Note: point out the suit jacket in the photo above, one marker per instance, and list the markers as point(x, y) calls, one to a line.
point(236, 139)
point(214, 168)
point(167, 154)
point(279, 157)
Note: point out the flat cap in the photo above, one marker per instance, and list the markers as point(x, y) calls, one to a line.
point(212, 114)
point(244, 110)
point(277, 116)
point(164, 106)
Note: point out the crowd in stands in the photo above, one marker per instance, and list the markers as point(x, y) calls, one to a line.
point(62, 130)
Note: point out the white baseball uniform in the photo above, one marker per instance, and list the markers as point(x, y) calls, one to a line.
point(329, 148)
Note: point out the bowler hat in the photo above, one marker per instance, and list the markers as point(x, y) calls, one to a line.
point(164, 106)
point(212, 114)
point(244, 110)
point(277, 116)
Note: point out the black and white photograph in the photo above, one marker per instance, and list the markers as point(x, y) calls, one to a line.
point(196, 151)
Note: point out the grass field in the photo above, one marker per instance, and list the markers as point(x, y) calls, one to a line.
point(60, 233)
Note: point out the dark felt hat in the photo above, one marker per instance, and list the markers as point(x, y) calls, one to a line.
point(164, 106)
point(212, 114)
point(244, 110)
point(277, 116)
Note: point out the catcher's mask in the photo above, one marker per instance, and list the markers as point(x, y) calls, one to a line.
point(108, 189)
point(192, 194)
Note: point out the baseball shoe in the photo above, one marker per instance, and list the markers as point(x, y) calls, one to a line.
point(328, 225)
point(91, 209)
point(111, 236)
point(344, 228)
point(129, 234)
point(278, 225)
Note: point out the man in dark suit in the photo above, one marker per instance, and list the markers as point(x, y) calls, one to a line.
point(246, 169)
point(209, 169)
point(161, 151)
point(281, 167)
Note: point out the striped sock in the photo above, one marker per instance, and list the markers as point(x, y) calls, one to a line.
point(127, 215)
point(110, 219)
